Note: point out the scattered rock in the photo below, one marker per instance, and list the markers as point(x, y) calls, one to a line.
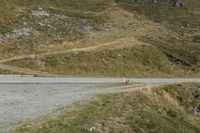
point(86, 30)
point(41, 24)
point(22, 32)
point(58, 26)
point(62, 16)
point(1, 39)
point(40, 12)
point(92, 129)
point(57, 104)
point(197, 112)
point(179, 3)
point(70, 24)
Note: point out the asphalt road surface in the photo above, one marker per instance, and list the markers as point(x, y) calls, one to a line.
point(45, 80)
point(28, 98)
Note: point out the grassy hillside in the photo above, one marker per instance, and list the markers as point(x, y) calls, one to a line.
point(184, 21)
point(128, 61)
point(172, 108)
point(36, 35)
point(140, 61)
point(31, 26)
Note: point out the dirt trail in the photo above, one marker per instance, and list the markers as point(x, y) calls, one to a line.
point(119, 43)
point(126, 37)
point(102, 46)
point(124, 27)
point(130, 88)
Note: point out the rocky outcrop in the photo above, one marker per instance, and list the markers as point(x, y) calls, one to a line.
point(197, 112)
point(177, 3)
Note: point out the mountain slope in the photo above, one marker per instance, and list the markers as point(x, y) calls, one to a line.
point(43, 35)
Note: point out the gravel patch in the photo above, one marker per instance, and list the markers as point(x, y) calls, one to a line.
point(40, 12)
point(21, 102)
point(57, 25)
point(21, 32)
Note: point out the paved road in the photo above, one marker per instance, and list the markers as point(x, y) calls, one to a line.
point(44, 80)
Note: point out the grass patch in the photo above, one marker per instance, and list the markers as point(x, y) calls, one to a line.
point(141, 61)
point(149, 110)
point(179, 53)
point(138, 61)
point(180, 20)
point(175, 53)
point(181, 49)
point(57, 22)
point(7, 72)
point(117, 62)
point(188, 97)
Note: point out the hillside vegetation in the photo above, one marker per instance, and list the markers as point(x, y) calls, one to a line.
point(167, 109)
point(100, 37)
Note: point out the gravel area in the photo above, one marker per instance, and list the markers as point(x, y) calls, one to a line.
point(21, 102)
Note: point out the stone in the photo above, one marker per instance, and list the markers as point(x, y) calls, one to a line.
point(1, 39)
point(92, 129)
point(179, 3)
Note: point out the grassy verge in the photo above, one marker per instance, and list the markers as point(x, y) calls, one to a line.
point(165, 109)
point(7, 72)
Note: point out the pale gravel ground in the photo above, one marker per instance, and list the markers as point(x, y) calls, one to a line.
point(21, 102)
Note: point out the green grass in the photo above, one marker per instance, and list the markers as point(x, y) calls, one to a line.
point(149, 110)
point(118, 62)
point(141, 61)
point(182, 54)
point(182, 50)
point(182, 20)
point(188, 97)
point(11, 10)
point(176, 53)
point(17, 14)
point(2, 71)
